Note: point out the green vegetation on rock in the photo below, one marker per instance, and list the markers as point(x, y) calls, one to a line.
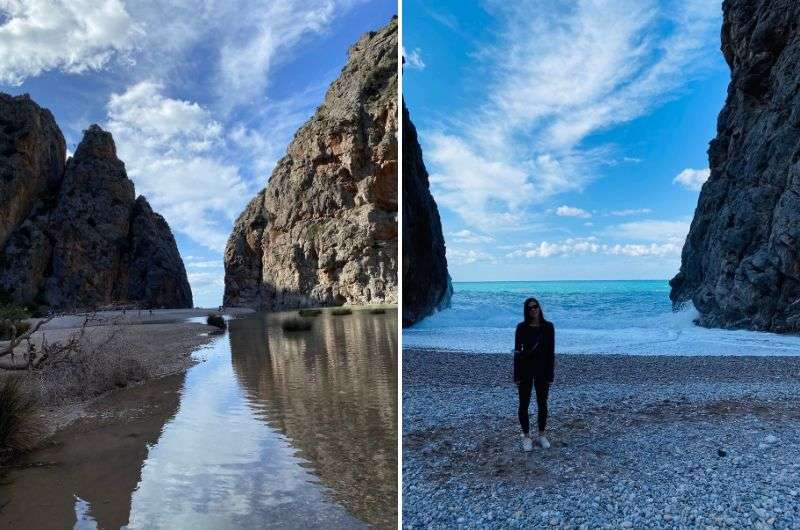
point(217, 321)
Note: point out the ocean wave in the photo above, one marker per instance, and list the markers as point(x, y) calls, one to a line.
point(628, 317)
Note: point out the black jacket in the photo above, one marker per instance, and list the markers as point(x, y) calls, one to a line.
point(534, 360)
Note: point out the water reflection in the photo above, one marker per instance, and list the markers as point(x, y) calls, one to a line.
point(94, 466)
point(333, 392)
point(270, 431)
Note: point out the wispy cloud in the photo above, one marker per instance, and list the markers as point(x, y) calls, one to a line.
point(571, 211)
point(247, 40)
point(413, 59)
point(206, 285)
point(467, 236)
point(629, 212)
point(673, 231)
point(70, 35)
point(171, 149)
point(591, 245)
point(692, 179)
point(561, 72)
point(456, 256)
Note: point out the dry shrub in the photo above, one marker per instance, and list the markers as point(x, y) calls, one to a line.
point(86, 366)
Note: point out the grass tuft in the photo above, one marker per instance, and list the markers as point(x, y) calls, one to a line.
point(5, 329)
point(296, 324)
point(342, 311)
point(18, 429)
point(13, 315)
point(217, 321)
point(310, 312)
point(377, 311)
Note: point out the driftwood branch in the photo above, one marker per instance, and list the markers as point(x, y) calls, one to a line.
point(15, 341)
point(57, 352)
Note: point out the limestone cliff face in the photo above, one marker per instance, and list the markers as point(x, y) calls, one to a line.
point(324, 230)
point(741, 261)
point(426, 283)
point(86, 241)
point(32, 152)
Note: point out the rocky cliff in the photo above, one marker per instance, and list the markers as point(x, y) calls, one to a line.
point(740, 264)
point(81, 239)
point(426, 283)
point(32, 157)
point(324, 230)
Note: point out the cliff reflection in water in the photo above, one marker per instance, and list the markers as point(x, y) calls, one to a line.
point(333, 392)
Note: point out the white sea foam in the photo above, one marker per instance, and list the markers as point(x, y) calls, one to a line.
point(590, 317)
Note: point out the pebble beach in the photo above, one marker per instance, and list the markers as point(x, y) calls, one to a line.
point(637, 442)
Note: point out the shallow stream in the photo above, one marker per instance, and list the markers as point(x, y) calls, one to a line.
point(273, 429)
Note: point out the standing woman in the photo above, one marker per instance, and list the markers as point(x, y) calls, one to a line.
point(534, 362)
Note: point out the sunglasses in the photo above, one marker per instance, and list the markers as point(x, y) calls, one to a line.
point(533, 306)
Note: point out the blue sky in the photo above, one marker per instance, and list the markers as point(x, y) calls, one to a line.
point(565, 140)
point(202, 96)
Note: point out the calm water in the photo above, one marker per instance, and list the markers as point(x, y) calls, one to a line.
point(630, 317)
point(273, 430)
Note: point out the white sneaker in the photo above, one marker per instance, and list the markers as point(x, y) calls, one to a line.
point(544, 443)
point(527, 443)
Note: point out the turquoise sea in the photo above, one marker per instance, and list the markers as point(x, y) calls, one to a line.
point(628, 317)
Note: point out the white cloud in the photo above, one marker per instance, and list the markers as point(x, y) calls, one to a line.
point(414, 59)
point(692, 179)
point(241, 42)
point(276, 122)
point(467, 236)
point(545, 249)
point(207, 287)
point(254, 44)
point(560, 72)
point(652, 230)
point(571, 211)
point(467, 182)
point(591, 245)
point(457, 256)
point(71, 35)
point(210, 264)
point(630, 211)
point(637, 250)
point(170, 148)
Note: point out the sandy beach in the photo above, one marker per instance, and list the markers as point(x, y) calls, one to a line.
point(637, 441)
point(142, 345)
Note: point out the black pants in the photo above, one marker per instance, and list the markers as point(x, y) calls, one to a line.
point(542, 389)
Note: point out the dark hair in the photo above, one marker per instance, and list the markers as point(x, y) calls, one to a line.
point(527, 319)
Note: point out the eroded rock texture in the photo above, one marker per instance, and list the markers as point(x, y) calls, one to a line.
point(324, 230)
point(741, 261)
point(32, 152)
point(426, 283)
point(85, 241)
